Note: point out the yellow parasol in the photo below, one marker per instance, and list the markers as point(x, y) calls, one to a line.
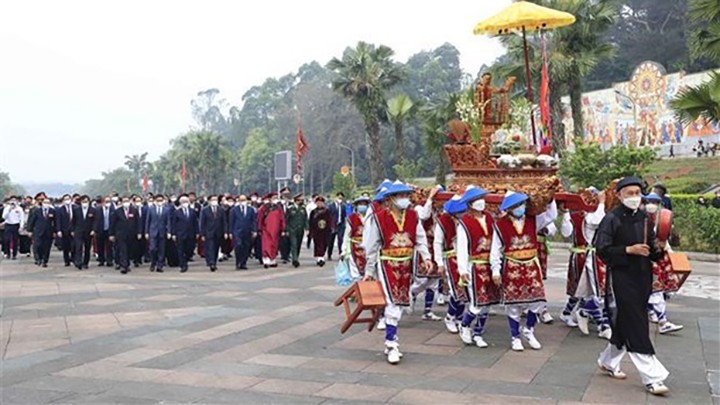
point(524, 16)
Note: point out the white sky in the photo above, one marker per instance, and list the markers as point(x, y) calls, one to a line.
point(83, 83)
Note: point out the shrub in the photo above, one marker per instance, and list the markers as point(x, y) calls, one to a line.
point(698, 226)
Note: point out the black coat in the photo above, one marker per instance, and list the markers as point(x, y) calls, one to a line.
point(82, 226)
point(629, 277)
point(125, 227)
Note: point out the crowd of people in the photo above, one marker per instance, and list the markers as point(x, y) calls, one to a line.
point(453, 251)
point(169, 230)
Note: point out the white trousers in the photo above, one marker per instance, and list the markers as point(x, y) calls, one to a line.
point(657, 300)
point(514, 310)
point(393, 313)
point(421, 284)
point(650, 369)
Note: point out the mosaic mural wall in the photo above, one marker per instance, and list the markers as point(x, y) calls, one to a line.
point(636, 112)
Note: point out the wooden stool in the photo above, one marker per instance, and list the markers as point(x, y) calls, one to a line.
point(680, 265)
point(368, 295)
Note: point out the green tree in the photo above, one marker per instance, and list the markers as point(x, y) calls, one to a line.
point(119, 180)
point(256, 160)
point(399, 110)
point(8, 188)
point(137, 164)
point(435, 118)
point(704, 39)
point(364, 75)
point(343, 184)
point(590, 165)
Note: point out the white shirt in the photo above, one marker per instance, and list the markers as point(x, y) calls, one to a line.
point(438, 244)
point(461, 249)
point(424, 211)
point(496, 253)
point(373, 243)
point(14, 216)
point(310, 207)
point(590, 224)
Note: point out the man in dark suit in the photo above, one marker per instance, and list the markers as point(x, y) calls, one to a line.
point(124, 228)
point(140, 245)
point(157, 230)
point(63, 223)
point(243, 228)
point(105, 247)
point(213, 229)
point(339, 215)
point(82, 229)
point(196, 206)
point(41, 227)
point(184, 230)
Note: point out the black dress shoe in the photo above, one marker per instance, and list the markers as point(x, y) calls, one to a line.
point(152, 268)
point(117, 267)
point(124, 270)
point(101, 264)
point(266, 266)
point(159, 270)
point(296, 263)
point(78, 267)
point(243, 267)
point(183, 270)
point(136, 264)
point(213, 268)
point(273, 265)
point(85, 266)
point(67, 264)
point(44, 264)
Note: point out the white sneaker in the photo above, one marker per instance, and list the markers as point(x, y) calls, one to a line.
point(480, 342)
point(429, 316)
point(411, 309)
point(568, 320)
point(652, 317)
point(516, 344)
point(441, 299)
point(393, 355)
point(545, 317)
point(618, 375)
point(451, 325)
point(381, 324)
point(529, 336)
point(393, 346)
point(582, 322)
point(657, 388)
point(668, 327)
point(466, 335)
point(605, 333)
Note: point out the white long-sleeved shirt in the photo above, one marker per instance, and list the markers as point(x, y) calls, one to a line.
point(372, 242)
point(14, 215)
point(496, 247)
point(438, 245)
point(461, 250)
point(424, 211)
point(590, 224)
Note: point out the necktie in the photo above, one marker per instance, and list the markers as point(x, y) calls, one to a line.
point(45, 212)
point(69, 211)
point(244, 212)
point(187, 214)
point(158, 211)
point(126, 213)
point(214, 213)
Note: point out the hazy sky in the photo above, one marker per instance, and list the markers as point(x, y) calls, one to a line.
point(83, 83)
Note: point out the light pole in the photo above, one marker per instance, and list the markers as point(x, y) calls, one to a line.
point(352, 159)
point(632, 100)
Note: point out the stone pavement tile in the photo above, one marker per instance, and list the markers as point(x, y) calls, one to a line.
point(39, 329)
point(95, 321)
point(164, 297)
point(290, 387)
point(276, 290)
point(256, 397)
point(428, 349)
point(27, 396)
point(104, 301)
point(134, 319)
point(419, 396)
point(604, 389)
point(136, 355)
point(41, 306)
point(160, 392)
point(328, 288)
point(26, 361)
point(427, 382)
point(357, 392)
point(507, 366)
point(444, 339)
point(22, 347)
point(306, 374)
point(410, 365)
point(223, 294)
point(67, 384)
point(208, 380)
point(91, 370)
point(279, 360)
point(539, 391)
point(104, 398)
point(565, 374)
point(713, 377)
point(336, 364)
point(158, 337)
point(174, 359)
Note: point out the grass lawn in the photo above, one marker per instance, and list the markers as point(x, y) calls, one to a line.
point(686, 175)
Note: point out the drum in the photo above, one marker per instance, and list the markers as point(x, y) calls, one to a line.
point(664, 225)
point(367, 295)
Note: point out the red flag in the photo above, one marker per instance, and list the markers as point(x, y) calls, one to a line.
point(545, 116)
point(145, 183)
point(183, 175)
point(301, 147)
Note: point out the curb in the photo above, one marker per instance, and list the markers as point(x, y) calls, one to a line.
point(699, 256)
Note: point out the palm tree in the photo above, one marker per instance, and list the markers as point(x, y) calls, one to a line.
point(435, 118)
point(399, 109)
point(364, 75)
point(702, 100)
point(137, 164)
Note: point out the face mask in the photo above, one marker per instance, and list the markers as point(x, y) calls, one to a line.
point(242, 203)
point(108, 205)
point(85, 205)
point(159, 203)
point(651, 208)
point(253, 199)
point(402, 203)
point(66, 202)
point(114, 199)
point(213, 203)
point(519, 211)
point(275, 201)
point(478, 205)
point(185, 204)
point(13, 203)
point(339, 200)
point(126, 205)
point(632, 202)
point(173, 199)
point(362, 209)
point(138, 204)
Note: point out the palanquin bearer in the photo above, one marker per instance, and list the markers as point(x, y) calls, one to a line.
point(474, 238)
point(664, 280)
point(393, 237)
point(426, 279)
point(378, 201)
point(515, 266)
point(378, 204)
point(585, 285)
point(625, 241)
point(445, 256)
point(352, 250)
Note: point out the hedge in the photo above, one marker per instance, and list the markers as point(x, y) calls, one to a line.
point(697, 226)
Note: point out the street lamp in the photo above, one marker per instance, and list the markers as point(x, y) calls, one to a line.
point(352, 159)
point(632, 100)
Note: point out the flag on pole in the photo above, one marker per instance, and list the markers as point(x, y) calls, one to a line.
point(545, 116)
point(301, 147)
point(183, 175)
point(145, 183)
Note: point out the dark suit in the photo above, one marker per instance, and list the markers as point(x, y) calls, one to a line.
point(139, 246)
point(338, 215)
point(184, 227)
point(157, 227)
point(105, 248)
point(82, 224)
point(41, 223)
point(243, 222)
point(213, 228)
point(285, 240)
point(197, 207)
point(63, 224)
point(125, 228)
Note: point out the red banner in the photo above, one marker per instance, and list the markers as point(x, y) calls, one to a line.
point(301, 147)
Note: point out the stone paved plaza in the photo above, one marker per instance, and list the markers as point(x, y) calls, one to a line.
point(272, 336)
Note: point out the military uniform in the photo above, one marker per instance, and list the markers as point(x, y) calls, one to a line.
point(297, 222)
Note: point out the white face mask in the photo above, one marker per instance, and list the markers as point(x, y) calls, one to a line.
point(253, 199)
point(85, 205)
point(651, 208)
point(115, 199)
point(159, 203)
point(66, 202)
point(339, 200)
point(478, 205)
point(126, 205)
point(213, 203)
point(632, 202)
point(274, 201)
point(402, 203)
point(108, 205)
point(138, 204)
point(185, 204)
